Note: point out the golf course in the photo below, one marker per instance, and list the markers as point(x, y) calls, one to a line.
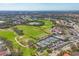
point(31, 33)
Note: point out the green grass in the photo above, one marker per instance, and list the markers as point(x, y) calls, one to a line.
point(29, 31)
point(48, 24)
point(36, 31)
point(10, 36)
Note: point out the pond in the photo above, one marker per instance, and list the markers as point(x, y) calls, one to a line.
point(2, 21)
point(35, 23)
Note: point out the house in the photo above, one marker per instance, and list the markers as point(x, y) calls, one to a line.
point(4, 50)
point(66, 54)
point(57, 30)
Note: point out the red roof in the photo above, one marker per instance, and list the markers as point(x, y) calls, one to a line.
point(3, 53)
point(66, 54)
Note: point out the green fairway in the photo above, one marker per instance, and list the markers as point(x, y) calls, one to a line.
point(11, 37)
point(36, 31)
point(30, 32)
point(48, 24)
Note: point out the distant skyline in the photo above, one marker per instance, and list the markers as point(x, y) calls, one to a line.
point(39, 6)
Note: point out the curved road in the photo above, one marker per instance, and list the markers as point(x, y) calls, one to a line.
point(20, 43)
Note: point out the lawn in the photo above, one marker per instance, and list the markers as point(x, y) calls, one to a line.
point(36, 31)
point(29, 32)
point(11, 37)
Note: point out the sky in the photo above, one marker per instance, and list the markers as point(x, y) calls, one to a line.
point(38, 6)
